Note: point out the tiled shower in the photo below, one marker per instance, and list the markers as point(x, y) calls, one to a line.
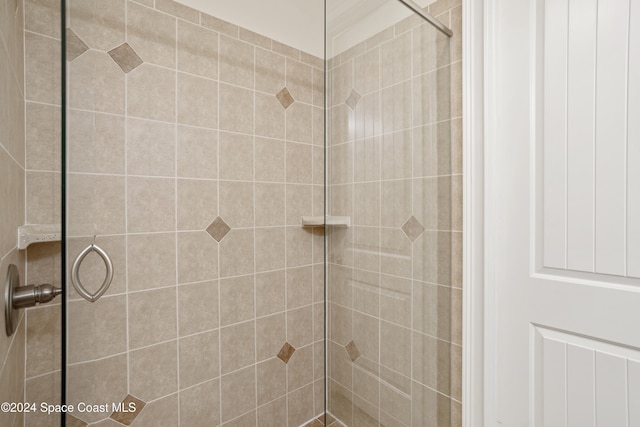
point(193, 148)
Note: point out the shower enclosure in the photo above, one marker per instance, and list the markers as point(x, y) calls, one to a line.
point(254, 232)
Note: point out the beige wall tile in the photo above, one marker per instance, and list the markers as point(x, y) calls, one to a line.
point(237, 62)
point(43, 137)
point(367, 336)
point(151, 93)
point(340, 324)
point(341, 289)
point(197, 307)
point(44, 388)
point(12, 190)
point(42, 69)
point(273, 414)
point(149, 381)
point(270, 293)
point(101, 25)
point(298, 241)
point(366, 292)
point(300, 327)
point(298, 163)
point(340, 402)
point(44, 264)
point(429, 406)
point(200, 405)
point(246, 420)
point(237, 297)
point(300, 81)
point(395, 242)
point(341, 165)
point(270, 71)
point(255, 38)
point(431, 49)
point(237, 253)
point(197, 153)
point(42, 16)
point(432, 309)
point(283, 49)
point(367, 204)
point(152, 317)
point(269, 250)
point(197, 50)
point(197, 203)
point(237, 112)
point(151, 148)
point(300, 405)
point(270, 116)
point(43, 342)
point(152, 35)
point(299, 203)
point(161, 413)
point(395, 300)
point(271, 380)
point(236, 156)
point(318, 329)
point(96, 142)
point(199, 358)
point(179, 10)
point(300, 368)
point(299, 123)
point(150, 204)
point(270, 336)
point(197, 257)
point(152, 261)
point(431, 360)
point(299, 287)
point(96, 330)
point(456, 316)
point(238, 393)
point(236, 203)
point(269, 160)
point(196, 101)
point(432, 252)
point(219, 25)
point(237, 346)
point(96, 83)
point(93, 382)
point(270, 204)
point(95, 204)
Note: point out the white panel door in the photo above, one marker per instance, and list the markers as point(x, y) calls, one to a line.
point(563, 213)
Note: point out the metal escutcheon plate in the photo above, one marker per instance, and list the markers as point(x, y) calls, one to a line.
point(11, 315)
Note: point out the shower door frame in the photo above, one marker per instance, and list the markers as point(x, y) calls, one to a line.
point(477, 31)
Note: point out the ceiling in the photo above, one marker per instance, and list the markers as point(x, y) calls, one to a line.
point(300, 23)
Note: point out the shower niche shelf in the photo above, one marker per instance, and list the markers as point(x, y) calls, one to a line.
point(319, 221)
point(38, 233)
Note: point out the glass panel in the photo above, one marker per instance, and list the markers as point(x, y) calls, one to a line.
point(390, 341)
point(195, 146)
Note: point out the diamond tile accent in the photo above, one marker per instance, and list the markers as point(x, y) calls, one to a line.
point(285, 98)
point(75, 45)
point(218, 229)
point(353, 99)
point(130, 409)
point(353, 351)
point(286, 352)
point(125, 57)
point(412, 228)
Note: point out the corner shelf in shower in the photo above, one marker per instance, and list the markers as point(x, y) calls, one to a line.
point(38, 233)
point(319, 221)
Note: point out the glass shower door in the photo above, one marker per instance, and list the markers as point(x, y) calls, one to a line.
point(194, 148)
point(394, 275)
